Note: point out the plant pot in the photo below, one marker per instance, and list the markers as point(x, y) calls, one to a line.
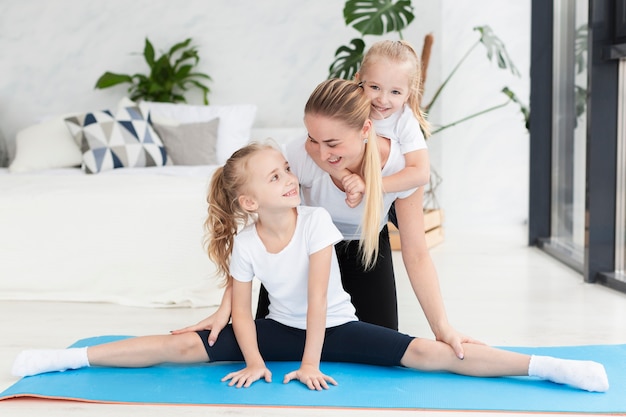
point(433, 225)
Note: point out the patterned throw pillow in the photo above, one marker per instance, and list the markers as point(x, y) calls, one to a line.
point(126, 140)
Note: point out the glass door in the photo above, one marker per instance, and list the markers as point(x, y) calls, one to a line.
point(569, 132)
point(620, 203)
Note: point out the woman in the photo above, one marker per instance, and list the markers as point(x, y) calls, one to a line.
point(340, 137)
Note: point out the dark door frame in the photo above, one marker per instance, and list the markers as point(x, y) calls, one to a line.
point(605, 47)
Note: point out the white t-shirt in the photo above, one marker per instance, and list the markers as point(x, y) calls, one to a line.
point(285, 274)
point(404, 128)
point(318, 189)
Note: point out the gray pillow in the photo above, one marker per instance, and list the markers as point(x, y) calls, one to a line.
point(190, 143)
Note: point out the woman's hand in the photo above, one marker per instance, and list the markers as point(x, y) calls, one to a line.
point(215, 323)
point(455, 339)
point(311, 377)
point(248, 375)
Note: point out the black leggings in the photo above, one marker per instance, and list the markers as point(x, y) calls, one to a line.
point(355, 342)
point(373, 292)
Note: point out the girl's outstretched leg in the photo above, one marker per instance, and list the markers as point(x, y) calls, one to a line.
point(135, 352)
point(485, 361)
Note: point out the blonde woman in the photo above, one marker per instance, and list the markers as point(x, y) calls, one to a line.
point(341, 137)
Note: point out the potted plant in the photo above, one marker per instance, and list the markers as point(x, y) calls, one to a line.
point(171, 75)
point(380, 17)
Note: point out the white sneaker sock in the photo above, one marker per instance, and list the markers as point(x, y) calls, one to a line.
point(587, 375)
point(38, 361)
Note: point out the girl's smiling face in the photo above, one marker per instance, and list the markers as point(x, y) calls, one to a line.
point(272, 184)
point(386, 84)
point(333, 145)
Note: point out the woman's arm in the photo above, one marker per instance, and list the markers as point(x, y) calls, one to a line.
point(245, 332)
point(421, 270)
point(317, 303)
point(216, 321)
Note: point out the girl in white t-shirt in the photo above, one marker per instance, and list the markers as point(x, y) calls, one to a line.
point(390, 75)
point(257, 228)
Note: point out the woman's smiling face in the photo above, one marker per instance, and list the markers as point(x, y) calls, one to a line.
point(333, 145)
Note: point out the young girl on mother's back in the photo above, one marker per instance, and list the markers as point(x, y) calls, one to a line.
point(390, 75)
point(257, 228)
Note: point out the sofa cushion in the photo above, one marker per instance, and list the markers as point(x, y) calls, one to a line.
point(125, 140)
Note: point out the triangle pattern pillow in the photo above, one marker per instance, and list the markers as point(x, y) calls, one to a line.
point(126, 140)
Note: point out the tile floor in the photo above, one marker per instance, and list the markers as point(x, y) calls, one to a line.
point(496, 289)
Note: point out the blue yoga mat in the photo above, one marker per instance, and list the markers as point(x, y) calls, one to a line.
point(360, 386)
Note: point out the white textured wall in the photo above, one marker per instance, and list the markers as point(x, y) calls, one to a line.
point(272, 53)
point(483, 162)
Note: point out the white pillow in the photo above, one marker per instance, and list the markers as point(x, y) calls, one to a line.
point(44, 146)
point(234, 127)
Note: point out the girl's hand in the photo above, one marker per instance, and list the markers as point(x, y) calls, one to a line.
point(311, 377)
point(455, 339)
point(247, 376)
point(215, 323)
point(353, 200)
point(354, 186)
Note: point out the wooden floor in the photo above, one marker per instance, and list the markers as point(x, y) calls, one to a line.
point(496, 289)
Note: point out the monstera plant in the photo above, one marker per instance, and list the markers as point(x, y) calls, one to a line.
point(170, 76)
point(369, 17)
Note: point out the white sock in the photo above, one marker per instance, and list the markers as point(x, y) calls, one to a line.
point(587, 375)
point(38, 361)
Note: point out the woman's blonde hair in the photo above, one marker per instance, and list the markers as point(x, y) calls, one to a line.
point(401, 52)
point(345, 101)
point(225, 214)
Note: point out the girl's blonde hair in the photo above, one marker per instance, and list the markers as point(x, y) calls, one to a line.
point(225, 214)
point(345, 101)
point(401, 52)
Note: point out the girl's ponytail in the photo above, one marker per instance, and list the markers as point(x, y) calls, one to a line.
point(225, 216)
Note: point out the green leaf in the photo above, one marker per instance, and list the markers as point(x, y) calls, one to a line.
point(187, 54)
point(522, 107)
point(162, 70)
point(109, 79)
point(177, 98)
point(148, 53)
point(347, 60)
point(377, 17)
point(580, 48)
point(580, 94)
point(201, 75)
point(183, 72)
point(178, 46)
point(496, 47)
point(205, 90)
